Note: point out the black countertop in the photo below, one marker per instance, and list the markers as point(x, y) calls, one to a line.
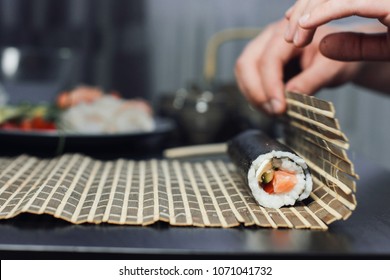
point(365, 233)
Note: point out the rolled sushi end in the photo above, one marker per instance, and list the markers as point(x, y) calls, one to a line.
point(279, 179)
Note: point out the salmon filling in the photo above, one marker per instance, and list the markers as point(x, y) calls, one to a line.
point(275, 180)
point(282, 182)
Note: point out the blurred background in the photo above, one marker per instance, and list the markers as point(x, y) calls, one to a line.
point(156, 49)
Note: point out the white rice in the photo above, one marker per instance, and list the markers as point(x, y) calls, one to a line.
point(290, 162)
point(107, 115)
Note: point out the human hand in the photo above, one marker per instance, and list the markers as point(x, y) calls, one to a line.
point(259, 69)
point(305, 16)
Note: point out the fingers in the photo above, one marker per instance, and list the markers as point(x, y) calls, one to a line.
point(306, 82)
point(293, 16)
point(259, 70)
point(349, 46)
point(330, 10)
point(271, 71)
point(306, 15)
point(319, 74)
point(288, 13)
point(247, 70)
point(295, 33)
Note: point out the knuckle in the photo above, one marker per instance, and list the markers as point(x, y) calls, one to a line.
point(240, 64)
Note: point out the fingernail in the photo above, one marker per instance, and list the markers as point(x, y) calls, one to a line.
point(276, 106)
point(296, 37)
point(268, 108)
point(303, 19)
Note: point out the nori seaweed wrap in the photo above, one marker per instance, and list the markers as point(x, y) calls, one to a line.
point(275, 174)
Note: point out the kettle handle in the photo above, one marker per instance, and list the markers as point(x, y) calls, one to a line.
point(219, 38)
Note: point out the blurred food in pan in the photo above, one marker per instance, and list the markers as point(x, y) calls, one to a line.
point(84, 110)
point(28, 117)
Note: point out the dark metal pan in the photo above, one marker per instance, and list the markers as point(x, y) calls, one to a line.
point(104, 146)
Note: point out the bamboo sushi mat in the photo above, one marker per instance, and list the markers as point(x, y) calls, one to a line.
point(80, 189)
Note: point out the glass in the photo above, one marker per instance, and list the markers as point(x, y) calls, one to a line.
point(34, 74)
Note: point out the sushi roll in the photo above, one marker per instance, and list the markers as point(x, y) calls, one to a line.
point(275, 174)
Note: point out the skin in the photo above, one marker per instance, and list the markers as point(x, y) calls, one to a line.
point(328, 56)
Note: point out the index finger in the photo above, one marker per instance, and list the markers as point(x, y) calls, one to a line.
point(271, 70)
point(332, 10)
point(247, 71)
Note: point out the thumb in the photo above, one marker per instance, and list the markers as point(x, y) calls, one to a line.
point(310, 80)
point(350, 46)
